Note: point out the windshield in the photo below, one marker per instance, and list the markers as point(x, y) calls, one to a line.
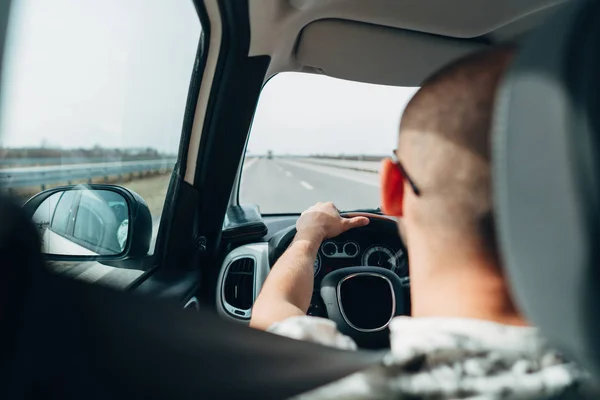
point(316, 138)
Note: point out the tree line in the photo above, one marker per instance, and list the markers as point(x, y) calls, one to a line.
point(96, 152)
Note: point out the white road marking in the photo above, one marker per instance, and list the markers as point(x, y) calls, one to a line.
point(249, 163)
point(306, 185)
point(288, 173)
point(366, 178)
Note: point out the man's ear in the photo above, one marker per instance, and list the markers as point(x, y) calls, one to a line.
point(392, 189)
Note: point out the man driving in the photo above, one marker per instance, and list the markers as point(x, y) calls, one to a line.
point(465, 338)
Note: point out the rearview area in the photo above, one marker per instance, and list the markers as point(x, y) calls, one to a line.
point(317, 138)
point(83, 222)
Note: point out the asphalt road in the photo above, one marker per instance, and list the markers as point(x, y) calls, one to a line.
point(292, 185)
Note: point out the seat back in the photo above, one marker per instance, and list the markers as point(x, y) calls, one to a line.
point(546, 179)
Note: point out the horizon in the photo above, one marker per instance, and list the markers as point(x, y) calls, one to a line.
point(150, 149)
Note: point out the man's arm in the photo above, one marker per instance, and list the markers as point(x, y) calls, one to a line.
point(288, 288)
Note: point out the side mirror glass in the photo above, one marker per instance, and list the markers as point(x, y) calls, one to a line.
point(91, 221)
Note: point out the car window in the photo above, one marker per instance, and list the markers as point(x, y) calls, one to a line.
point(99, 216)
point(317, 138)
point(89, 226)
point(44, 213)
point(63, 213)
point(95, 92)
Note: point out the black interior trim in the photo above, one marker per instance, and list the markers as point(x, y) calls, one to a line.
point(129, 346)
point(234, 94)
point(175, 232)
point(170, 284)
point(243, 222)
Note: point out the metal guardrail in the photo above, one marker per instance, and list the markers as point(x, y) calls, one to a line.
point(9, 162)
point(40, 176)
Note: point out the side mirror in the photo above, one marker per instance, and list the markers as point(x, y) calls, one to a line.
point(91, 222)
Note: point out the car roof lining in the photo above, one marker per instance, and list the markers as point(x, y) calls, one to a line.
point(380, 41)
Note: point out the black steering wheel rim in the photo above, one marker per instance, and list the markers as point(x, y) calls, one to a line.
point(280, 241)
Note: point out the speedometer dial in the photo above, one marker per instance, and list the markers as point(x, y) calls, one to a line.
point(381, 256)
point(317, 266)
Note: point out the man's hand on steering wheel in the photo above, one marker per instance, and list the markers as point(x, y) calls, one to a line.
point(323, 221)
point(289, 286)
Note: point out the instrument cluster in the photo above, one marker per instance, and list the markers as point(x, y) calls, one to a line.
point(335, 253)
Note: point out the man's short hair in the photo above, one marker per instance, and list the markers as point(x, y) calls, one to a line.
point(445, 144)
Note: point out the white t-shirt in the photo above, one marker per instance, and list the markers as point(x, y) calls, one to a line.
point(445, 358)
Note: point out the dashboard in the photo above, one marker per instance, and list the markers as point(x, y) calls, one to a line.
point(376, 245)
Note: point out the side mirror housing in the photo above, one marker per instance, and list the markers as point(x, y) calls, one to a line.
point(93, 222)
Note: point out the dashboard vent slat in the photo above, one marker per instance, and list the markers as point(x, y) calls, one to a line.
point(238, 288)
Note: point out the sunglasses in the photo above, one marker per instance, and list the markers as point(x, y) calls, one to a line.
point(399, 165)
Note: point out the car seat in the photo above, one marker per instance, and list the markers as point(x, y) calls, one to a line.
point(546, 159)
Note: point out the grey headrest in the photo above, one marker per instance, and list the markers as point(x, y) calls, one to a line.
point(546, 181)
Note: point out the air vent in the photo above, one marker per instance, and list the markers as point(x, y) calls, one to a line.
point(238, 288)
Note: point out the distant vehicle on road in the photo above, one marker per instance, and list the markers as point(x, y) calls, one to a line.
point(270, 155)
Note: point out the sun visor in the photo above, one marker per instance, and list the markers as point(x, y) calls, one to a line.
point(376, 54)
point(546, 178)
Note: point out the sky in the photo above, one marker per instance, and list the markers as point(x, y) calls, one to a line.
point(116, 73)
point(113, 72)
point(300, 113)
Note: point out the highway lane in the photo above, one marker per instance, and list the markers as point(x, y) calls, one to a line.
point(291, 185)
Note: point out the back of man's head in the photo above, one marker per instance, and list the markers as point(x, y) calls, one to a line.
point(444, 146)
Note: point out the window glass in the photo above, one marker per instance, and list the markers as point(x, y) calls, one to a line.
point(63, 214)
point(43, 215)
point(100, 214)
point(89, 226)
point(95, 92)
point(316, 138)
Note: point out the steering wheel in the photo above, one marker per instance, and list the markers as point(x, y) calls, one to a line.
point(361, 300)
